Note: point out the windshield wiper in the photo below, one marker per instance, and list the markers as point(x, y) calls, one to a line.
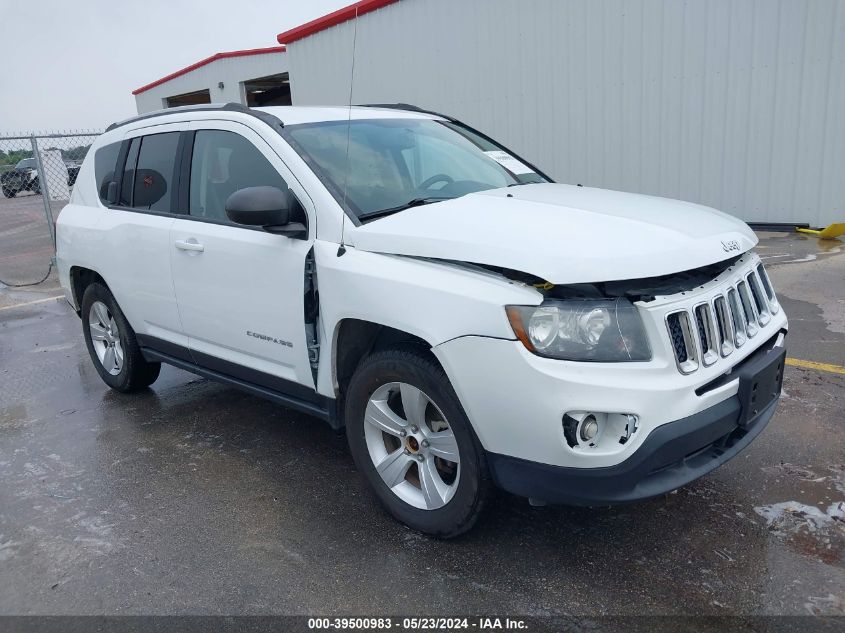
point(416, 202)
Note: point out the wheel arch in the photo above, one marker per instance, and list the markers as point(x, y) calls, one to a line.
point(355, 339)
point(80, 278)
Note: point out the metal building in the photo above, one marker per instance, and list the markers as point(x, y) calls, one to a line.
point(737, 104)
point(253, 77)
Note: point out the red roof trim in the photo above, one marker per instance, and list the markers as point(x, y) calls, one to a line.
point(208, 60)
point(332, 19)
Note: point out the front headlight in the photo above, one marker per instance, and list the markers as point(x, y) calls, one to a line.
point(600, 330)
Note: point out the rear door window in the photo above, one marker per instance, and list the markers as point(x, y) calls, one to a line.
point(128, 180)
point(154, 177)
point(105, 161)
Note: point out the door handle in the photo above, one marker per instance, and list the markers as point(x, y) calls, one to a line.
point(189, 245)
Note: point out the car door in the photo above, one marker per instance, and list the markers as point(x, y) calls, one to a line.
point(240, 289)
point(136, 236)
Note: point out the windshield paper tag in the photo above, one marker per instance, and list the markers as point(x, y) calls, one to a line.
point(509, 162)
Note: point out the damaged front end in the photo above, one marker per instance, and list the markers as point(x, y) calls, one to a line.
point(645, 289)
point(311, 304)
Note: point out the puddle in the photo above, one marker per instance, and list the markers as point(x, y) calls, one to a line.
point(814, 530)
point(792, 516)
point(808, 529)
point(802, 473)
point(792, 248)
point(825, 605)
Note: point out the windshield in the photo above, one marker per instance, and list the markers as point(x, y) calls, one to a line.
point(26, 163)
point(397, 163)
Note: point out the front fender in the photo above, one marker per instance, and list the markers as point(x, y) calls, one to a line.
point(432, 301)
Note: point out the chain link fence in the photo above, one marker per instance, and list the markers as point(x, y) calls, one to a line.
point(37, 175)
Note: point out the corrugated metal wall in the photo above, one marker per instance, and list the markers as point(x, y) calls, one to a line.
point(737, 104)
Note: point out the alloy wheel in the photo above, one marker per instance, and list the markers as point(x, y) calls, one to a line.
point(105, 338)
point(412, 446)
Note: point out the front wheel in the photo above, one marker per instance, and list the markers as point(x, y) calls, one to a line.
point(412, 441)
point(9, 193)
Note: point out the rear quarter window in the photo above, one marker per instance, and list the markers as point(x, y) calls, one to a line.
point(105, 161)
point(154, 175)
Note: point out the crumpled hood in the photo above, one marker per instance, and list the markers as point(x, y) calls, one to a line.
point(562, 233)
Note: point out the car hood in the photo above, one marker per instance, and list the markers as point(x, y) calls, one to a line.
point(562, 233)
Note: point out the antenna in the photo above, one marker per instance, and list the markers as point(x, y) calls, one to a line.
point(342, 248)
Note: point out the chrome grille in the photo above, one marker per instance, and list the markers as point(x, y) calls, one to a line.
point(749, 312)
point(714, 328)
point(767, 287)
point(706, 333)
point(738, 316)
point(683, 340)
point(754, 284)
point(677, 335)
point(724, 325)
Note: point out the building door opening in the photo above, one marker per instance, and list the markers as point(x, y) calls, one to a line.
point(189, 98)
point(272, 90)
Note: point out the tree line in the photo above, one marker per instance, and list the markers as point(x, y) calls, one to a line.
point(13, 156)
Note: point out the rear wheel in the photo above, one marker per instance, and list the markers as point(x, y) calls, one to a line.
point(9, 193)
point(111, 343)
point(413, 443)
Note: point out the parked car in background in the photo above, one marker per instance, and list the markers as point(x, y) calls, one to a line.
point(24, 177)
point(392, 271)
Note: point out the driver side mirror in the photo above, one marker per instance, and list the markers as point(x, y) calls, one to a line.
point(267, 207)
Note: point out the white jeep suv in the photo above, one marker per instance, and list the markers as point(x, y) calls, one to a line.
point(398, 273)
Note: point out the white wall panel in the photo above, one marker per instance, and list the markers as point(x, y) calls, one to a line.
point(232, 71)
point(737, 104)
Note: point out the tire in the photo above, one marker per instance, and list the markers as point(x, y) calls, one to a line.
point(9, 193)
point(390, 378)
point(102, 318)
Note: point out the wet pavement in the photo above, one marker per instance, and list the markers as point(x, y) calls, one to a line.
point(195, 498)
point(26, 249)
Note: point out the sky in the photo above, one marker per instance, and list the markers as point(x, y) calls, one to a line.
point(72, 65)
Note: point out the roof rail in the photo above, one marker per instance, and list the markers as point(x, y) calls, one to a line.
point(412, 108)
point(268, 118)
point(409, 107)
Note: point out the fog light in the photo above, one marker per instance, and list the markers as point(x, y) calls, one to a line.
point(589, 428)
point(581, 429)
point(631, 423)
point(596, 430)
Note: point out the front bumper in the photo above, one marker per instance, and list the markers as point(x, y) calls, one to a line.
point(685, 420)
point(685, 432)
point(672, 456)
